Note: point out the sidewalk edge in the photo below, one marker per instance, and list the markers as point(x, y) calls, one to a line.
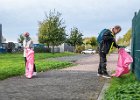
point(106, 85)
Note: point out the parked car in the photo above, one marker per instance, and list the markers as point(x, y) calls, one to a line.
point(88, 51)
point(2, 48)
point(18, 47)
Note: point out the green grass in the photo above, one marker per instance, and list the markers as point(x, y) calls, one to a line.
point(37, 55)
point(123, 88)
point(13, 64)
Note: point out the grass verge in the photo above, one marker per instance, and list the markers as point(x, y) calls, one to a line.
point(123, 88)
point(13, 64)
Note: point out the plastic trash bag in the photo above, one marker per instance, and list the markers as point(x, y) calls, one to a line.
point(124, 60)
point(29, 63)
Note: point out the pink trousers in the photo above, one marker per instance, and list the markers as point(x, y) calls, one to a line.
point(29, 63)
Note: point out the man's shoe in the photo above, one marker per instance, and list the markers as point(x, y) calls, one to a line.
point(99, 74)
point(106, 76)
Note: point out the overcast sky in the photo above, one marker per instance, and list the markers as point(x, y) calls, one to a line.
point(90, 16)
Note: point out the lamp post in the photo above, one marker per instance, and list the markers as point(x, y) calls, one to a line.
point(0, 33)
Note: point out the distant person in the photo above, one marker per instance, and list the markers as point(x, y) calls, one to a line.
point(106, 41)
point(28, 44)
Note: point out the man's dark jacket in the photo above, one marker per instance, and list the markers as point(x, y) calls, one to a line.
point(107, 41)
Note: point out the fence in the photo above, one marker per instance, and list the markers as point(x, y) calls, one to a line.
point(136, 45)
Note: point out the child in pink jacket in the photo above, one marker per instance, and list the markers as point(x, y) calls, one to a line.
point(28, 51)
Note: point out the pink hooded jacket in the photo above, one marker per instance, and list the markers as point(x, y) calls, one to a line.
point(29, 63)
point(124, 59)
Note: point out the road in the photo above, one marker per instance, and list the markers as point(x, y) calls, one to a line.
point(79, 82)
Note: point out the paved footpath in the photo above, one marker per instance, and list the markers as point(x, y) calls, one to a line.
point(79, 82)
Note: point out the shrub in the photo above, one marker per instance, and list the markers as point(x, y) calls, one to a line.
point(79, 49)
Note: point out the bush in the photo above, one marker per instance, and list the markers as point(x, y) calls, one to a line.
point(79, 49)
point(39, 48)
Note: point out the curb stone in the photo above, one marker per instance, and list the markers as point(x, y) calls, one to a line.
point(105, 86)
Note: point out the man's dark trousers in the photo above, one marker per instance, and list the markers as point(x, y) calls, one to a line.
point(103, 63)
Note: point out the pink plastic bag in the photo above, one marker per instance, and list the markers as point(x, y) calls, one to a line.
point(124, 60)
point(29, 63)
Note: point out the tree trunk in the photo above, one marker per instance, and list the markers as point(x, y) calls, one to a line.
point(48, 48)
point(53, 49)
point(75, 48)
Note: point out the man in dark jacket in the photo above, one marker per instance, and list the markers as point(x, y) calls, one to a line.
point(108, 41)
